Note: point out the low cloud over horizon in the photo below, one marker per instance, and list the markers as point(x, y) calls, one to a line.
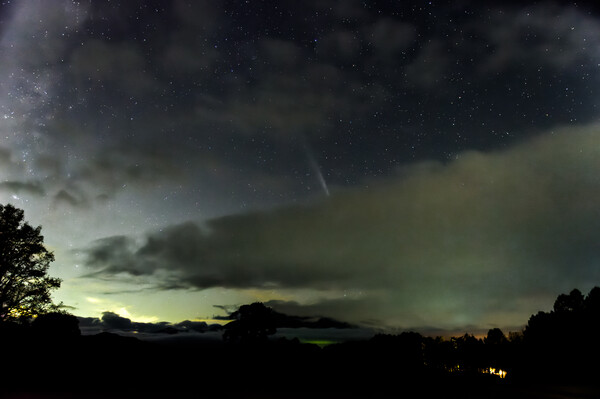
point(485, 239)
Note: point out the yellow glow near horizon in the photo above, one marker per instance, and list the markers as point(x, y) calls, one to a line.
point(120, 310)
point(123, 312)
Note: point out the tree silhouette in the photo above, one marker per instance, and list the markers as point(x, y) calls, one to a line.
point(569, 303)
point(24, 284)
point(56, 325)
point(251, 324)
point(495, 336)
point(557, 343)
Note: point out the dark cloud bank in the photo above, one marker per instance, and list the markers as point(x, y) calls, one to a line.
point(288, 326)
point(113, 322)
point(487, 236)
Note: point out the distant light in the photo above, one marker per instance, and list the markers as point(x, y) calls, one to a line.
point(497, 372)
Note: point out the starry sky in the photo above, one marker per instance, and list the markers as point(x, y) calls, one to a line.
point(398, 165)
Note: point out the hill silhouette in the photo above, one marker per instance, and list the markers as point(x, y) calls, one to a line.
point(50, 355)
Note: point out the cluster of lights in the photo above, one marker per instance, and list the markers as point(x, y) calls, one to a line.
point(490, 370)
point(498, 372)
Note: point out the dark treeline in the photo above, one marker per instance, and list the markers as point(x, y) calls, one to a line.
point(50, 354)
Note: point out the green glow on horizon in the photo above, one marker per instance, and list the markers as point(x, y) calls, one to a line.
point(320, 342)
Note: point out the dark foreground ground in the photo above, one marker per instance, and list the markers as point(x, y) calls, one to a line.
point(111, 366)
point(542, 393)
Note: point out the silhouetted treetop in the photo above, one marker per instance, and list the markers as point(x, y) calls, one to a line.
point(592, 301)
point(251, 324)
point(24, 284)
point(558, 341)
point(495, 336)
point(57, 325)
point(569, 303)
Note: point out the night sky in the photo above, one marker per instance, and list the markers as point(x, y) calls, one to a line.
point(394, 164)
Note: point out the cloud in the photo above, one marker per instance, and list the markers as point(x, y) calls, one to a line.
point(101, 176)
point(523, 36)
point(66, 198)
point(114, 252)
point(49, 166)
point(111, 321)
point(117, 167)
point(32, 47)
point(267, 108)
point(509, 228)
point(188, 325)
point(350, 10)
point(340, 46)
point(428, 69)
point(10, 168)
point(181, 57)
point(35, 32)
point(188, 52)
point(18, 187)
point(120, 65)
point(281, 53)
point(509, 38)
point(282, 320)
point(358, 308)
point(5, 157)
point(201, 16)
point(114, 321)
point(390, 36)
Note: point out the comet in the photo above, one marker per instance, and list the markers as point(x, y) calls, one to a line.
point(314, 165)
